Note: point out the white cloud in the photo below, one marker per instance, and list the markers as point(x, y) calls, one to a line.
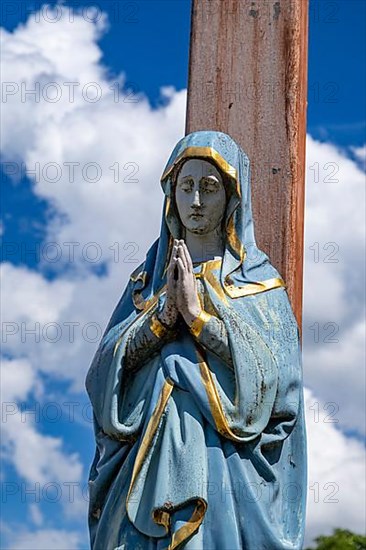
point(337, 372)
point(18, 379)
point(360, 154)
point(107, 133)
point(334, 281)
point(104, 133)
point(126, 134)
point(35, 299)
point(46, 539)
point(113, 214)
point(40, 460)
point(336, 474)
point(36, 514)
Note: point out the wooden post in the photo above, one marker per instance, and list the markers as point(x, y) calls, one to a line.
point(248, 78)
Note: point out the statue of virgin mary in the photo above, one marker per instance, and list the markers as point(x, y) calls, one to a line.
point(196, 385)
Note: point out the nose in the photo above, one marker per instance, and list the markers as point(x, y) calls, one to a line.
point(196, 199)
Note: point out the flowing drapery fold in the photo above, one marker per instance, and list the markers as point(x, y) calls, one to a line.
point(191, 453)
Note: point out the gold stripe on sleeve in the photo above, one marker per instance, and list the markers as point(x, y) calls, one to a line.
point(156, 327)
point(199, 322)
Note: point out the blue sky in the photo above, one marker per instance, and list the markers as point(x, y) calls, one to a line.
point(144, 45)
point(149, 41)
point(154, 55)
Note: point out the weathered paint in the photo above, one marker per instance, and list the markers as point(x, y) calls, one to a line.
point(248, 78)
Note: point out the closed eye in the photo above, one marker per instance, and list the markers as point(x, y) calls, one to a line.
point(209, 186)
point(186, 186)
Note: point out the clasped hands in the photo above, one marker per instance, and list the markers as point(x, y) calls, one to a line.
point(181, 294)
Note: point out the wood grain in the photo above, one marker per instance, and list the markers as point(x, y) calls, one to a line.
point(248, 78)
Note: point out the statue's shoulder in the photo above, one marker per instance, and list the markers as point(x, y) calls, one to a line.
point(139, 278)
point(139, 274)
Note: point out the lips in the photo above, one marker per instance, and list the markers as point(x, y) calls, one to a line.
point(196, 215)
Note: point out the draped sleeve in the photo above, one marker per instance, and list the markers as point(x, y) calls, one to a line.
point(203, 445)
point(161, 426)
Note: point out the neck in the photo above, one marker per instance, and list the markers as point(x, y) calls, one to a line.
point(205, 247)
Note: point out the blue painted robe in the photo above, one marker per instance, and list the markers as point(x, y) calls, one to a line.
point(194, 451)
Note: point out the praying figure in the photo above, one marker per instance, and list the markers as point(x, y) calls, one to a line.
point(196, 385)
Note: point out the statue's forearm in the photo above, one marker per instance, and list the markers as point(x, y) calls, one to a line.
point(212, 334)
point(145, 340)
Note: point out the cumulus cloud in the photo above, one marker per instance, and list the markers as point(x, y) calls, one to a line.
point(34, 300)
point(336, 474)
point(360, 155)
point(46, 539)
point(55, 324)
point(40, 460)
point(19, 378)
point(334, 292)
point(36, 514)
point(95, 161)
point(124, 140)
point(337, 372)
point(68, 144)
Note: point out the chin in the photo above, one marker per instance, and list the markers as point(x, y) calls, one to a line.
point(198, 229)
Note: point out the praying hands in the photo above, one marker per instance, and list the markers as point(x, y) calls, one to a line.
point(181, 296)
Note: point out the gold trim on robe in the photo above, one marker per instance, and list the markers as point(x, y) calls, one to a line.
point(156, 327)
point(163, 517)
point(145, 444)
point(199, 322)
point(191, 526)
point(148, 305)
point(214, 400)
point(233, 239)
point(253, 288)
point(217, 411)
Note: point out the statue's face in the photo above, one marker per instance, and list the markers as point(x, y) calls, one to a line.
point(200, 196)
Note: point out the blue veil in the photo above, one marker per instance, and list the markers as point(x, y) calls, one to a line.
point(189, 453)
point(246, 269)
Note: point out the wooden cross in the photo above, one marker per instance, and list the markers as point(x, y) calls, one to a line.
point(248, 78)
